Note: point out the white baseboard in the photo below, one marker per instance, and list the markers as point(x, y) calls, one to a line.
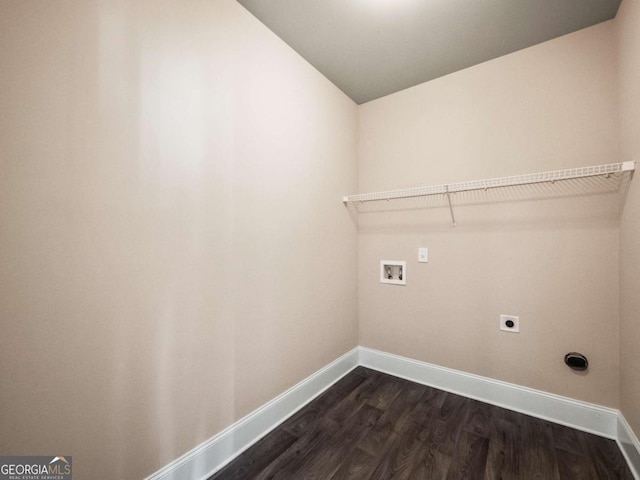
point(630, 445)
point(555, 408)
point(208, 457)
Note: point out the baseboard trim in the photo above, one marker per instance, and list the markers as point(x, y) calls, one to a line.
point(563, 410)
point(213, 454)
point(629, 445)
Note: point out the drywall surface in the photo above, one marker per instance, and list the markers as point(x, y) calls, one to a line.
point(174, 250)
point(628, 30)
point(546, 254)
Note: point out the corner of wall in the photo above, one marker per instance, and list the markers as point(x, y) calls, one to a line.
point(627, 25)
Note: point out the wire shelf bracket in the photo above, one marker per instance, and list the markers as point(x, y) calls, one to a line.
point(500, 182)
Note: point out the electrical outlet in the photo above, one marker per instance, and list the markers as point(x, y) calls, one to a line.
point(423, 255)
point(510, 323)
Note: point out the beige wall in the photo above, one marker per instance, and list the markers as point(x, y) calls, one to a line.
point(628, 29)
point(552, 261)
point(174, 250)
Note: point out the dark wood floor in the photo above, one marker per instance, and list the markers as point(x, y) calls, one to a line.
point(375, 426)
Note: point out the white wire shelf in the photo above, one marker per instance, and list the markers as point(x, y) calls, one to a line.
point(607, 170)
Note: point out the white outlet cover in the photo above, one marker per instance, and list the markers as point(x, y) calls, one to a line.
point(423, 254)
point(512, 318)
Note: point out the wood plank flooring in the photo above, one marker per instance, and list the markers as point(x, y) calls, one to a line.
point(371, 425)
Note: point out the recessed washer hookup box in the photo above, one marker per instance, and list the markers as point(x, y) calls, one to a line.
point(393, 272)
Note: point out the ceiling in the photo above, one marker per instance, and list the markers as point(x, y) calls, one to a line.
point(372, 48)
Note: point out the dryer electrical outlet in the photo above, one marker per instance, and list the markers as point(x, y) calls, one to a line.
point(510, 323)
